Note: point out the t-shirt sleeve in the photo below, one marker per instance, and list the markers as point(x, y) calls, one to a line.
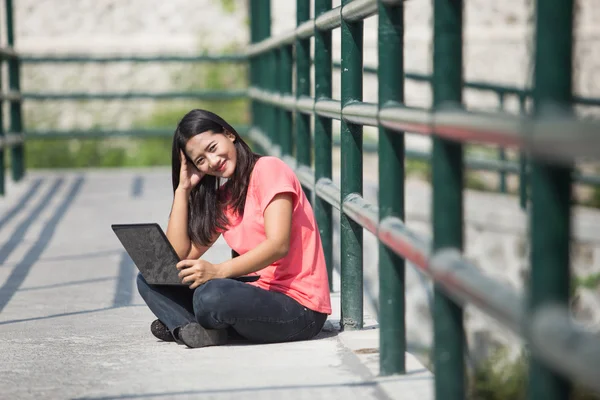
point(273, 176)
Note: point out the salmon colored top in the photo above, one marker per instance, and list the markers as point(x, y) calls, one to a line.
point(301, 274)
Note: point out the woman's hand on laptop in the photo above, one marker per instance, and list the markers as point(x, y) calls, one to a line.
point(197, 272)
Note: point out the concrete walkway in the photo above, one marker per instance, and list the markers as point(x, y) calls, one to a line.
point(72, 325)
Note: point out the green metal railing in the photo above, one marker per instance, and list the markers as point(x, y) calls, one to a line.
point(13, 139)
point(501, 165)
point(552, 138)
point(281, 124)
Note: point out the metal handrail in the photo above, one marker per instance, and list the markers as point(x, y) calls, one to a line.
point(544, 138)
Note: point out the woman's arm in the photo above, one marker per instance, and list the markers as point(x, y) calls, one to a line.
point(278, 223)
point(177, 228)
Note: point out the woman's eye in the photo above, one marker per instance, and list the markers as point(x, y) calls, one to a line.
point(213, 147)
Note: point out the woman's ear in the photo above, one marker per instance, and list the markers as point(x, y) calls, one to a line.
point(230, 135)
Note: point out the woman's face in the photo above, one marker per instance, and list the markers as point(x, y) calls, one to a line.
point(213, 153)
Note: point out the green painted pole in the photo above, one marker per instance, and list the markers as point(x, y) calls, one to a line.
point(523, 174)
point(284, 129)
point(267, 69)
point(16, 117)
point(323, 140)
point(447, 178)
point(254, 61)
point(2, 150)
point(302, 121)
point(262, 26)
point(392, 330)
point(501, 151)
point(275, 81)
point(551, 184)
point(351, 235)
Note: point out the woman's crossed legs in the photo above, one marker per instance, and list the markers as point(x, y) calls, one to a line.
point(256, 314)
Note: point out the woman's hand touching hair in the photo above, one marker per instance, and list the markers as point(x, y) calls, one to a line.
point(189, 175)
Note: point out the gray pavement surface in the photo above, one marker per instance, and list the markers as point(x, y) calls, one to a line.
point(72, 325)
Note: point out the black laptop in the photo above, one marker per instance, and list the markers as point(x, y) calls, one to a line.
point(153, 255)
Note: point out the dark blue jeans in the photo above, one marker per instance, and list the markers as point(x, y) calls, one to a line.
point(254, 313)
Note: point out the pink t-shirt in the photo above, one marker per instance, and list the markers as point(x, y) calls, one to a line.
point(301, 274)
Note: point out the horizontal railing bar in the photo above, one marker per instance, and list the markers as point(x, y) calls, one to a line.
point(264, 96)
point(568, 348)
point(273, 42)
point(407, 119)
point(10, 140)
point(394, 234)
point(101, 133)
point(328, 191)
point(8, 53)
point(206, 95)
point(263, 141)
point(332, 19)
point(306, 176)
point(468, 285)
point(305, 30)
point(328, 108)
point(11, 96)
point(476, 85)
point(544, 137)
point(305, 105)
point(362, 212)
point(82, 58)
point(329, 20)
point(586, 101)
point(472, 163)
point(361, 113)
point(288, 102)
point(359, 10)
point(95, 133)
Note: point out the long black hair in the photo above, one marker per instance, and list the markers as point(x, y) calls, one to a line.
point(207, 202)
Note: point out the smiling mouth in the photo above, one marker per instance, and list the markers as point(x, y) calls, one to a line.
point(221, 167)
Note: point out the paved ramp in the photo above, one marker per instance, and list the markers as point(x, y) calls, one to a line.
point(72, 325)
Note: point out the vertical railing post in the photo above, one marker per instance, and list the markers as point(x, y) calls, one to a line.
point(284, 87)
point(2, 134)
point(302, 121)
point(274, 81)
point(551, 184)
point(268, 70)
point(501, 151)
point(261, 29)
point(523, 173)
point(447, 178)
point(392, 336)
point(255, 61)
point(323, 142)
point(16, 116)
point(351, 235)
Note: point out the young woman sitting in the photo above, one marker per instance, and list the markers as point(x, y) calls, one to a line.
point(256, 202)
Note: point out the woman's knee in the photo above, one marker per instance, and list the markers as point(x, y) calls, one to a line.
point(210, 297)
point(142, 285)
